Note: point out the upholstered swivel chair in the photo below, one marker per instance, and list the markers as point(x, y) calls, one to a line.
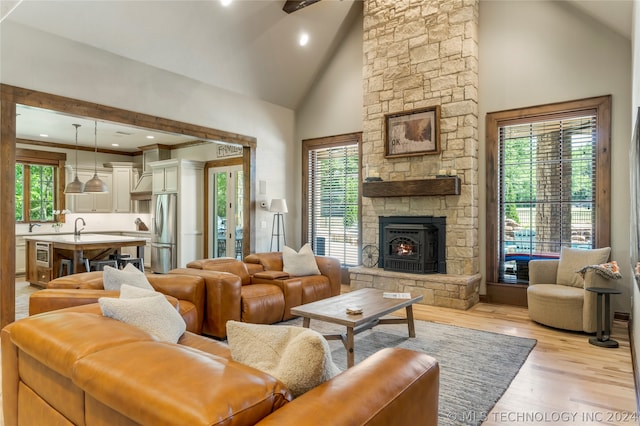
point(556, 295)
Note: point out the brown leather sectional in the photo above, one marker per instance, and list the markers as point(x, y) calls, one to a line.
point(75, 367)
point(262, 292)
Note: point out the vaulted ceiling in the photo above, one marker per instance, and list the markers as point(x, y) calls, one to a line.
point(249, 47)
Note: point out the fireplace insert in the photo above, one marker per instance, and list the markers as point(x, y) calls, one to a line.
point(413, 244)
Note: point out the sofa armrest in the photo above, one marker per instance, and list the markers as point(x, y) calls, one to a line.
point(223, 300)
point(291, 289)
point(330, 268)
point(58, 298)
point(189, 288)
point(543, 271)
point(405, 384)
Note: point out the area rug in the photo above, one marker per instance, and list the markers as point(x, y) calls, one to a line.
point(476, 367)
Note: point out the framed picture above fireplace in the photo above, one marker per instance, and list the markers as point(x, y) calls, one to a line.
point(415, 132)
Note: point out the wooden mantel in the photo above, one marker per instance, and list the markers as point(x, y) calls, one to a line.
point(408, 188)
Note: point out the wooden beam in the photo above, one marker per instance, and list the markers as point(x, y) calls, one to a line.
point(7, 210)
point(292, 5)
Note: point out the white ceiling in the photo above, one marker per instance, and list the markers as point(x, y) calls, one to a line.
point(249, 47)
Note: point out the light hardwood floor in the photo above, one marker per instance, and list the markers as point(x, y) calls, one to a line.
point(565, 380)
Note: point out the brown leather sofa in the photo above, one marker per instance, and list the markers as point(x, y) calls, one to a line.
point(263, 293)
point(87, 287)
point(74, 366)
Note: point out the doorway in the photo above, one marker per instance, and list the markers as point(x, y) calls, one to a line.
point(225, 211)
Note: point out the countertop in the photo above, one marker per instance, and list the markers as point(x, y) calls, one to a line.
point(70, 239)
point(142, 234)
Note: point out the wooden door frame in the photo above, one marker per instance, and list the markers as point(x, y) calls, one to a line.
point(10, 96)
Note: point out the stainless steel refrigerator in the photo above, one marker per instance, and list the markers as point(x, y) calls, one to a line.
point(164, 233)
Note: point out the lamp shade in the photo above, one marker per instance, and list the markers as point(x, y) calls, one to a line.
point(95, 184)
point(278, 205)
point(74, 187)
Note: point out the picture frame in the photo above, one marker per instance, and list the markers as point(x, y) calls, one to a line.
point(410, 133)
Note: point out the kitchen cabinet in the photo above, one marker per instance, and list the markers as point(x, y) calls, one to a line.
point(121, 188)
point(21, 253)
point(38, 273)
point(165, 177)
point(93, 202)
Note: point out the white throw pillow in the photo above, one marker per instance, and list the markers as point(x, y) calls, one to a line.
point(571, 260)
point(151, 312)
point(113, 278)
point(299, 264)
point(298, 357)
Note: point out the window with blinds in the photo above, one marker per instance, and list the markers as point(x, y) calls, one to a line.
point(546, 190)
point(333, 200)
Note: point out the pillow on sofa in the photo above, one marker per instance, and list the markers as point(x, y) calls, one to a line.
point(147, 310)
point(298, 357)
point(299, 264)
point(571, 260)
point(113, 278)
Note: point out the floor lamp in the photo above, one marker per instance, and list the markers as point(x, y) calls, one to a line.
point(278, 207)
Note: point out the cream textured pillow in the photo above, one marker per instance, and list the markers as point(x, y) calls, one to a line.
point(299, 264)
point(113, 278)
point(298, 357)
point(151, 312)
point(571, 260)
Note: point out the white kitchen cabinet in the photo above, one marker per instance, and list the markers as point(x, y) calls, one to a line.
point(93, 202)
point(21, 251)
point(121, 189)
point(165, 177)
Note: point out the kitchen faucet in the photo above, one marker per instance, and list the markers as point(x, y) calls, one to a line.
point(76, 231)
point(31, 225)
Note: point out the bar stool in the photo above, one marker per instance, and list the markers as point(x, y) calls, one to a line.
point(118, 258)
point(98, 265)
point(135, 261)
point(68, 263)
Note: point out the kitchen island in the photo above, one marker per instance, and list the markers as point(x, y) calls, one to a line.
point(44, 252)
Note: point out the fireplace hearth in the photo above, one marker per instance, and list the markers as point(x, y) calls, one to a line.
point(413, 244)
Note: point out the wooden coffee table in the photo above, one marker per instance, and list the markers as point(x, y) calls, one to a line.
point(374, 306)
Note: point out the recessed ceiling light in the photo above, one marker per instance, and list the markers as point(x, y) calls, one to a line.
point(304, 39)
point(225, 3)
point(115, 144)
point(150, 137)
point(43, 135)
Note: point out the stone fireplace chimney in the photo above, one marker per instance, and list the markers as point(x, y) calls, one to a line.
point(418, 55)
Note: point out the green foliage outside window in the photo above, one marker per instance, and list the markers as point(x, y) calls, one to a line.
point(40, 193)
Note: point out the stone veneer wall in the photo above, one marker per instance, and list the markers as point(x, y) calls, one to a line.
point(419, 54)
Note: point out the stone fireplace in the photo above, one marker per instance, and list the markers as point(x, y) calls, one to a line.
point(419, 55)
point(414, 244)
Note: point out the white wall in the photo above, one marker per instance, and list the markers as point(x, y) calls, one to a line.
point(36, 60)
point(333, 106)
point(539, 52)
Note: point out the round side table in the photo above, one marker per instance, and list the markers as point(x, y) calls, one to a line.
point(602, 336)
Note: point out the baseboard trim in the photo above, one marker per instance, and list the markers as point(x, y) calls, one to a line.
point(621, 316)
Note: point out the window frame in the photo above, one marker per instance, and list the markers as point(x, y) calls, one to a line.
point(309, 145)
point(43, 158)
point(494, 120)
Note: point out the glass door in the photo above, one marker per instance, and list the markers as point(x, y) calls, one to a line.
point(225, 211)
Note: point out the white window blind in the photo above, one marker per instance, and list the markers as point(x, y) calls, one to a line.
point(333, 202)
point(547, 187)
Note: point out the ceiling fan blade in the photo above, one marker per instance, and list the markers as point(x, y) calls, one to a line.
point(292, 5)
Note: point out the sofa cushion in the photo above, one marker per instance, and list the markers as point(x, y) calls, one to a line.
point(301, 263)
point(147, 310)
point(298, 357)
point(571, 260)
point(113, 278)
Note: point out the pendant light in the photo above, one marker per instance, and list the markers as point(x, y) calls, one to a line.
point(95, 184)
point(75, 187)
